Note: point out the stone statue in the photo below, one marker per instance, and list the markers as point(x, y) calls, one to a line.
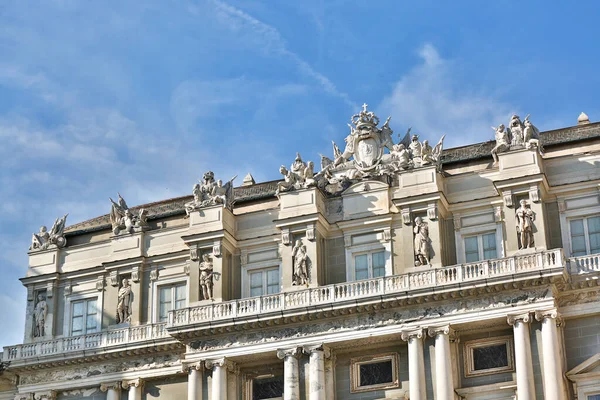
point(432, 155)
point(123, 219)
point(524, 221)
point(515, 131)
point(39, 317)
point(209, 193)
point(300, 259)
point(206, 277)
point(415, 147)
point(422, 246)
point(124, 302)
point(531, 135)
point(291, 181)
point(55, 238)
point(502, 141)
point(298, 166)
point(401, 157)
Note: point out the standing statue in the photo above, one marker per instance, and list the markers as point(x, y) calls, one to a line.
point(206, 278)
point(502, 141)
point(431, 155)
point(39, 317)
point(422, 253)
point(515, 130)
point(524, 221)
point(123, 306)
point(56, 237)
point(531, 135)
point(401, 157)
point(415, 147)
point(300, 259)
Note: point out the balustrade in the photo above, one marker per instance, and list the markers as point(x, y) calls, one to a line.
point(585, 264)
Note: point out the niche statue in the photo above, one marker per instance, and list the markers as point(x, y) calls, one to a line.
point(206, 278)
point(39, 317)
point(300, 259)
point(124, 305)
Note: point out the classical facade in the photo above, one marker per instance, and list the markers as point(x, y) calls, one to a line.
point(394, 269)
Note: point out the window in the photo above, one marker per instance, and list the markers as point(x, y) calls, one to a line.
point(374, 373)
point(594, 397)
point(84, 316)
point(170, 297)
point(268, 388)
point(480, 247)
point(585, 236)
point(488, 356)
point(263, 281)
point(369, 265)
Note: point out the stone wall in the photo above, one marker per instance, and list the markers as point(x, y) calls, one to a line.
point(582, 339)
point(336, 260)
point(169, 388)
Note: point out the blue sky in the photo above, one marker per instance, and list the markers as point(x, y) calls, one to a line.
point(143, 97)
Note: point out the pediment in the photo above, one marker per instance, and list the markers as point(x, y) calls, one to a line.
point(591, 365)
point(365, 186)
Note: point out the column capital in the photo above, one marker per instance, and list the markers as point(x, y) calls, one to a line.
point(221, 362)
point(47, 395)
point(315, 348)
point(106, 386)
point(138, 382)
point(540, 315)
point(285, 353)
point(512, 319)
point(441, 330)
point(24, 396)
point(408, 334)
point(198, 366)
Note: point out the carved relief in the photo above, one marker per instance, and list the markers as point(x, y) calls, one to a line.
point(524, 222)
point(209, 192)
point(206, 278)
point(125, 297)
point(301, 264)
point(123, 220)
point(54, 239)
point(39, 316)
point(421, 242)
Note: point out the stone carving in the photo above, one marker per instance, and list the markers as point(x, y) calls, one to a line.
point(54, 239)
point(124, 303)
point(123, 219)
point(206, 277)
point(422, 245)
point(210, 192)
point(300, 175)
point(518, 135)
point(524, 221)
point(39, 317)
point(300, 259)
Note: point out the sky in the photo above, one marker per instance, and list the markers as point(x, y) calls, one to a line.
point(143, 97)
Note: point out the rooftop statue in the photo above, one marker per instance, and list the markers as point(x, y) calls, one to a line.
point(299, 175)
point(518, 135)
point(123, 219)
point(55, 238)
point(209, 192)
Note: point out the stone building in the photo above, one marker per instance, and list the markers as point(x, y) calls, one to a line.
point(399, 270)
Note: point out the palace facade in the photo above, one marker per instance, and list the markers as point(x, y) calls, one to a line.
point(397, 271)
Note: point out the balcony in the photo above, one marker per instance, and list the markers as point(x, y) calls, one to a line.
point(106, 341)
point(589, 264)
point(188, 322)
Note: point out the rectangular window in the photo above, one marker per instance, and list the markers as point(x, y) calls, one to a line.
point(488, 356)
point(480, 247)
point(268, 388)
point(170, 297)
point(594, 397)
point(374, 373)
point(84, 317)
point(369, 265)
point(264, 281)
point(585, 236)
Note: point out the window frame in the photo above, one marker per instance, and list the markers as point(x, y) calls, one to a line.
point(586, 235)
point(468, 359)
point(156, 295)
point(371, 241)
point(369, 254)
point(461, 233)
point(70, 299)
point(355, 364)
point(262, 267)
point(480, 250)
point(249, 384)
point(173, 298)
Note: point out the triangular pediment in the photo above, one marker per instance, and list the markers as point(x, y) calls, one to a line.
point(591, 365)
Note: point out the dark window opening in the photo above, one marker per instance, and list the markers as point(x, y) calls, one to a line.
point(376, 373)
point(267, 388)
point(489, 357)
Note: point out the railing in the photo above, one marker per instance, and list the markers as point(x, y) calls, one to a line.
point(92, 341)
point(338, 293)
point(585, 264)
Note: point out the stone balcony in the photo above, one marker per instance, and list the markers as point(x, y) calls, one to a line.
point(111, 341)
point(366, 295)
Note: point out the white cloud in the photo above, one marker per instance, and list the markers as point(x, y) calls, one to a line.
point(429, 99)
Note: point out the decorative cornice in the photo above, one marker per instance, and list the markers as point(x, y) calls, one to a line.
point(137, 383)
point(441, 330)
point(282, 354)
point(523, 318)
point(412, 334)
point(106, 386)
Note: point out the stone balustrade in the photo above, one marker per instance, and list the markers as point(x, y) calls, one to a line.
point(585, 264)
point(90, 342)
point(365, 289)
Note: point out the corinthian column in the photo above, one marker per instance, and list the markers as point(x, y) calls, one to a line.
point(134, 388)
point(524, 365)
point(554, 385)
point(112, 389)
point(195, 377)
point(444, 383)
point(219, 377)
point(291, 378)
point(416, 364)
point(317, 355)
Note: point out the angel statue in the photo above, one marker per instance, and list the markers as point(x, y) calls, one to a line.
point(429, 155)
point(502, 141)
point(123, 219)
point(44, 239)
point(515, 131)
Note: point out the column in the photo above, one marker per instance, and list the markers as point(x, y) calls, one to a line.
point(523, 363)
point(318, 386)
point(416, 364)
point(444, 383)
point(219, 377)
point(291, 380)
point(554, 384)
point(134, 388)
point(195, 377)
point(112, 389)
